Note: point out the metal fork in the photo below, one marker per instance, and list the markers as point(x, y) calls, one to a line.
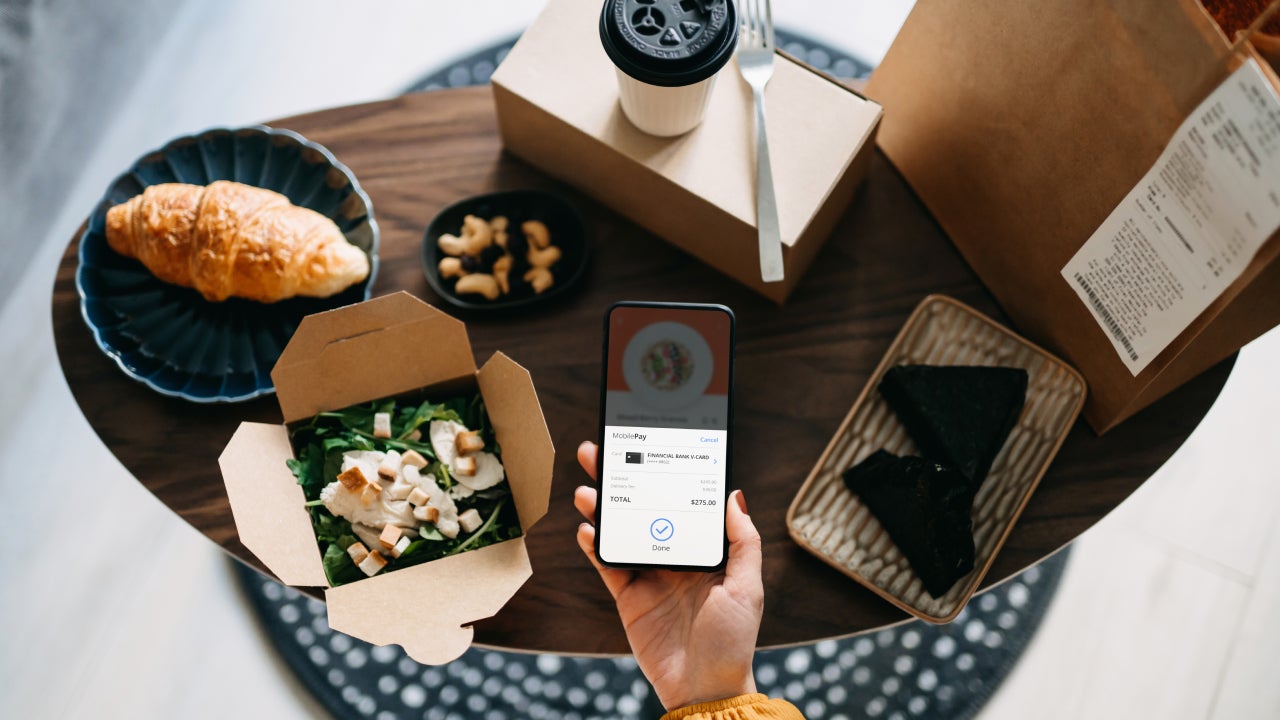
point(755, 61)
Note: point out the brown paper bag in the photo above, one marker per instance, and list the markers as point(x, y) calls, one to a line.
point(1023, 125)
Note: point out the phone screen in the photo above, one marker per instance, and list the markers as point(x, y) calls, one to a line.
point(664, 451)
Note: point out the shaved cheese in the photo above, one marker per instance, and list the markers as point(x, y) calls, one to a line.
point(443, 434)
point(448, 527)
point(400, 489)
point(488, 472)
point(380, 510)
point(366, 460)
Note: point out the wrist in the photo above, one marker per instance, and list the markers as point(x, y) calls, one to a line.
point(710, 692)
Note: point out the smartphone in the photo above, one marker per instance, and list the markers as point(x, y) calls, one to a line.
point(666, 409)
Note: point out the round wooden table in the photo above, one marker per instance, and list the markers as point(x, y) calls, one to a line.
point(799, 369)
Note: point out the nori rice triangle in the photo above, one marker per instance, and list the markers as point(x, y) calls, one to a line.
point(957, 415)
point(925, 508)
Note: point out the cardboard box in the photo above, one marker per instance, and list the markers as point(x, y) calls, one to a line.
point(1022, 126)
point(390, 346)
point(556, 96)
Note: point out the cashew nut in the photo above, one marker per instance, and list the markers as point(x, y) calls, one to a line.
point(500, 238)
point(499, 223)
point(501, 269)
point(452, 244)
point(543, 258)
point(477, 234)
point(538, 234)
point(539, 277)
point(451, 267)
point(479, 284)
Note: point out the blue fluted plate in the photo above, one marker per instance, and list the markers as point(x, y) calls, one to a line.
point(170, 338)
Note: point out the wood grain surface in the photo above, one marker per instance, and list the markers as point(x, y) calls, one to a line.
point(799, 369)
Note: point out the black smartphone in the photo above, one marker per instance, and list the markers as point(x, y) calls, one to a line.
point(666, 409)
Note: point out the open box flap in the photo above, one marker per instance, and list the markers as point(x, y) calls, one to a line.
point(268, 504)
point(379, 348)
point(424, 608)
point(527, 451)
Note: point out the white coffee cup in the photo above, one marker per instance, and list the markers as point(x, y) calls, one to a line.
point(667, 54)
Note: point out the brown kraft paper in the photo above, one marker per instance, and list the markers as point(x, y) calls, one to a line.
point(1022, 126)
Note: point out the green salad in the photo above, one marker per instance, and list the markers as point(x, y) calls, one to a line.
point(391, 484)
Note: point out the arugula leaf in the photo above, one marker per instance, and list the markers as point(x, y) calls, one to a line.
point(330, 528)
point(307, 468)
point(412, 419)
point(338, 566)
point(441, 471)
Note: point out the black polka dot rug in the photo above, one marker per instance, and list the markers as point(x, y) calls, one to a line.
point(913, 670)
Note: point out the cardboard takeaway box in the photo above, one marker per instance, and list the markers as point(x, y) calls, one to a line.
point(556, 97)
point(1022, 126)
point(390, 346)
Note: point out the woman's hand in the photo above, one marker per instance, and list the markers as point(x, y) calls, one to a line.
point(693, 634)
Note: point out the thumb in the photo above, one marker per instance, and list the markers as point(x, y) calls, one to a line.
point(745, 558)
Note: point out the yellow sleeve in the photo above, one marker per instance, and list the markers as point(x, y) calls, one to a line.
point(756, 706)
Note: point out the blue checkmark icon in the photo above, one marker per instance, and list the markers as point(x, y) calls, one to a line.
point(662, 529)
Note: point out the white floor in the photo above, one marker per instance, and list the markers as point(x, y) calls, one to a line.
point(111, 607)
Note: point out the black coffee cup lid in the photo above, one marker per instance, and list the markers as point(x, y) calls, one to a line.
point(669, 42)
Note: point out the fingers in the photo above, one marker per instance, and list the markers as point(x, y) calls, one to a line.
point(587, 458)
point(744, 545)
point(615, 579)
point(584, 498)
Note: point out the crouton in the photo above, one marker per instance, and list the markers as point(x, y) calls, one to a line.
point(467, 442)
point(426, 513)
point(382, 425)
point(370, 493)
point(352, 479)
point(464, 466)
point(390, 465)
point(373, 563)
point(401, 545)
point(418, 497)
point(470, 520)
point(390, 536)
point(358, 552)
point(412, 458)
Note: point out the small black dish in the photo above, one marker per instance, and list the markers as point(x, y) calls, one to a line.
point(567, 229)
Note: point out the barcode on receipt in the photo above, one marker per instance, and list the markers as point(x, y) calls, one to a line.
point(1105, 316)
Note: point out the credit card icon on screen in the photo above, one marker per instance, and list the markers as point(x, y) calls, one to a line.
point(635, 458)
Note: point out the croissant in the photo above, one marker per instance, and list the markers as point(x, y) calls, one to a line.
point(228, 239)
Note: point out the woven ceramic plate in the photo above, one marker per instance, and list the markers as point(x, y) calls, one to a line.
point(831, 522)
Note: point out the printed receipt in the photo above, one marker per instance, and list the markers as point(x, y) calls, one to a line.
point(1192, 224)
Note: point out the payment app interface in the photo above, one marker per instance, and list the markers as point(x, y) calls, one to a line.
point(662, 488)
